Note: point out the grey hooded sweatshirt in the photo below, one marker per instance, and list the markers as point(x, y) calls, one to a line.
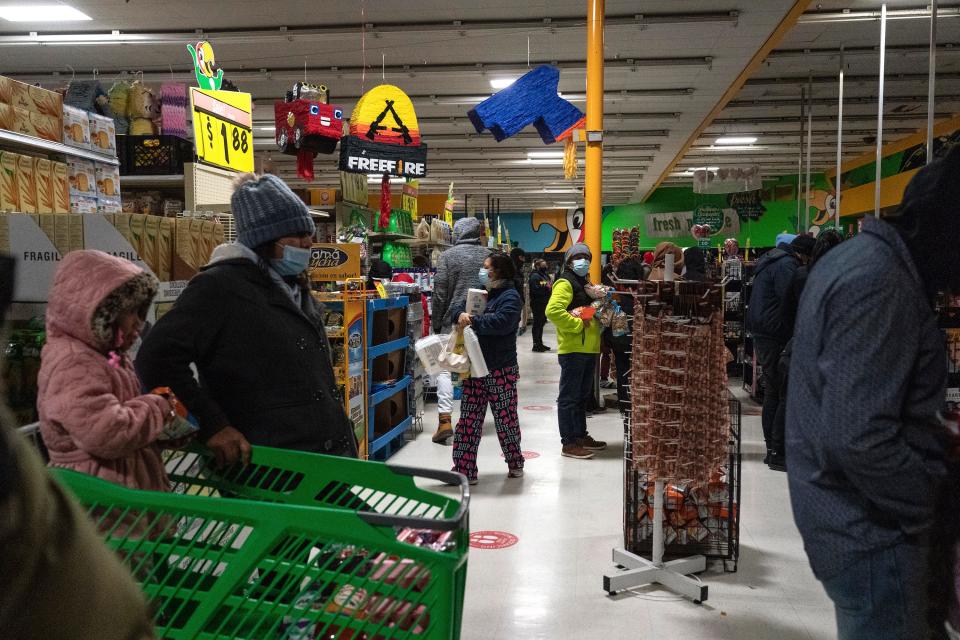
point(457, 271)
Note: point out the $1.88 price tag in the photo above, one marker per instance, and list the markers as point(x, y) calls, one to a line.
point(222, 128)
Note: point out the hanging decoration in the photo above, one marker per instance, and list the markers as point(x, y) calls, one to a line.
point(448, 206)
point(307, 124)
point(385, 202)
point(384, 136)
point(731, 180)
point(204, 64)
point(531, 100)
point(408, 198)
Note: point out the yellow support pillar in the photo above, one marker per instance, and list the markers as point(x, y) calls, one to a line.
point(593, 180)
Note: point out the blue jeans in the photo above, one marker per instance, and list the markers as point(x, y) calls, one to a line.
point(576, 387)
point(882, 596)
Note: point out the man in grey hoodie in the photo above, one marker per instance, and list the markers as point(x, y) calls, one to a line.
point(458, 270)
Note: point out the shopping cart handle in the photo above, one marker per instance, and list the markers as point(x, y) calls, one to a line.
point(454, 523)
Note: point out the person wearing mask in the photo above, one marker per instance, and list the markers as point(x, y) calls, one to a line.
point(826, 241)
point(765, 320)
point(578, 348)
point(249, 325)
point(867, 441)
point(519, 257)
point(457, 271)
point(495, 329)
point(94, 417)
point(658, 266)
point(540, 287)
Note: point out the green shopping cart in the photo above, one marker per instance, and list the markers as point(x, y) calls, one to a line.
point(294, 545)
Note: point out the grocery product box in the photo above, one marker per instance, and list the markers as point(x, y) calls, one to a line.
point(61, 187)
point(76, 128)
point(103, 134)
point(108, 180)
point(27, 184)
point(46, 127)
point(8, 116)
point(30, 98)
point(43, 174)
point(83, 204)
point(9, 190)
point(83, 179)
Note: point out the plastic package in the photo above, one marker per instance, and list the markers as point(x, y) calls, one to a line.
point(476, 301)
point(429, 350)
point(478, 365)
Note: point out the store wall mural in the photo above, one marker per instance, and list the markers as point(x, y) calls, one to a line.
point(754, 218)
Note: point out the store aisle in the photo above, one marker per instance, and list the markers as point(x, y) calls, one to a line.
point(567, 514)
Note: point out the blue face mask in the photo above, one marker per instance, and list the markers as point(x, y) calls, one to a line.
point(294, 261)
point(484, 276)
point(581, 267)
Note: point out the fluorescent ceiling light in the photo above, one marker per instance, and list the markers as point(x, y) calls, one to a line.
point(690, 172)
point(736, 140)
point(545, 154)
point(561, 191)
point(502, 83)
point(41, 13)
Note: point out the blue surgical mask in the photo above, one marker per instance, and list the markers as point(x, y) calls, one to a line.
point(295, 261)
point(484, 276)
point(581, 267)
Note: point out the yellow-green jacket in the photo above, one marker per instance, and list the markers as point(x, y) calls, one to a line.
point(572, 336)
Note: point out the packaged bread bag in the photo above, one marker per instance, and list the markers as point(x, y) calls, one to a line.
point(27, 184)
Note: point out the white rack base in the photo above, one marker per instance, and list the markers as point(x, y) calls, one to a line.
point(673, 575)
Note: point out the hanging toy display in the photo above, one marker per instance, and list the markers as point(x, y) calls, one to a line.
point(204, 64)
point(306, 124)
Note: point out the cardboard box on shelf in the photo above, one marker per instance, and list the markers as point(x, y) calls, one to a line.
point(103, 134)
point(76, 127)
point(149, 242)
point(42, 173)
point(45, 102)
point(165, 249)
point(61, 237)
point(46, 127)
point(23, 122)
point(6, 90)
point(83, 178)
point(76, 231)
point(9, 191)
point(8, 116)
point(27, 183)
point(61, 187)
point(83, 204)
point(108, 180)
point(49, 227)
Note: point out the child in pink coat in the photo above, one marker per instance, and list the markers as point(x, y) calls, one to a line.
point(93, 416)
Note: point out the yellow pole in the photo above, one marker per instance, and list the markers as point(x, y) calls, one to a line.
point(593, 187)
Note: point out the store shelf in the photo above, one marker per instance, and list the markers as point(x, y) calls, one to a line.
point(387, 438)
point(386, 392)
point(30, 143)
point(387, 347)
point(386, 236)
point(418, 242)
point(152, 181)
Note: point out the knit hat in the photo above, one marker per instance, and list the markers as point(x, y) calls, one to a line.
point(577, 249)
point(265, 209)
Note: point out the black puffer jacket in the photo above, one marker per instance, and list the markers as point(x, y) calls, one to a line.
point(264, 364)
point(772, 277)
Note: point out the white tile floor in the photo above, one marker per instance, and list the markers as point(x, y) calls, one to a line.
point(567, 515)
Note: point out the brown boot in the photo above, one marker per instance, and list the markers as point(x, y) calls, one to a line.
point(444, 430)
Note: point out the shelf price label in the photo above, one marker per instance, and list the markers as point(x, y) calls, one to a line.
point(223, 128)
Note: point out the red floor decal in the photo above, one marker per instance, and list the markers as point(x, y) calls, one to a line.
point(538, 407)
point(527, 455)
point(492, 539)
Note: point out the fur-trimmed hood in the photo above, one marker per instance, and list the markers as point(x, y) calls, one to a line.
point(90, 290)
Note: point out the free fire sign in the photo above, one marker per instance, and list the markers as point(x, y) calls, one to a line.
point(384, 136)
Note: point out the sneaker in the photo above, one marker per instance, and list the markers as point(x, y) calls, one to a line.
point(608, 384)
point(515, 473)
point(588, 443)
point(576, 451)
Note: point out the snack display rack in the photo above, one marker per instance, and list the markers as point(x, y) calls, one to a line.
point(387, 378)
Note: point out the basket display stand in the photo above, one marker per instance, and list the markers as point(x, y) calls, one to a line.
point(674, 575)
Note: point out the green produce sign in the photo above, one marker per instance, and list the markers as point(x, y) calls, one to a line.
point(709, 214)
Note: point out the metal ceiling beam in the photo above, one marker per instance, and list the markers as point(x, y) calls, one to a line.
point(789, 102)
point(848, 15)
point(900, 117)
point(473, 99)
point(372, 29)
point(904, 49)
point(830, 80)
point(817, 134)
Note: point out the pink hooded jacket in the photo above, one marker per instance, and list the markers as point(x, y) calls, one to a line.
point(93, 416)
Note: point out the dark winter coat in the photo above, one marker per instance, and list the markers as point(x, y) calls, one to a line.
point(772, 277)
point(867, 377)
point(496, 327)
point(458, 270)
point(264, 364)
point(539, 288)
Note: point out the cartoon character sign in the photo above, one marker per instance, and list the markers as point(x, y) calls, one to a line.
point(204, 63)
point(567, 222)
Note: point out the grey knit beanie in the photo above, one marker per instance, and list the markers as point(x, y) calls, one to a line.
point(265, 209)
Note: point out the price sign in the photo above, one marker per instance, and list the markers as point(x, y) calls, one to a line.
point(223, 128)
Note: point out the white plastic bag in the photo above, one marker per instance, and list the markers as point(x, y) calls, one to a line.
point(428, 350)
point(478, 364)
point(451, 360)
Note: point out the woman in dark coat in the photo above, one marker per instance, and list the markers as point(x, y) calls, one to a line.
point(496, 331)
point(250, 326)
